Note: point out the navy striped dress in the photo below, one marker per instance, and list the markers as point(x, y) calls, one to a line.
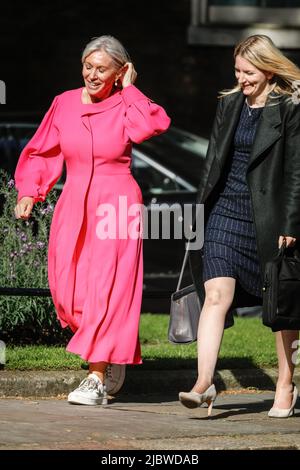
point(230, 248)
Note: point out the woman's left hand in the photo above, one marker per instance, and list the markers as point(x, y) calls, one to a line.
point(129, 75)
point(290, 241)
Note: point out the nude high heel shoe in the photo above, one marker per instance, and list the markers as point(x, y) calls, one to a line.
point(285, 412)
point(194, 399)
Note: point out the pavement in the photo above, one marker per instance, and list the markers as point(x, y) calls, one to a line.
point(145, 414)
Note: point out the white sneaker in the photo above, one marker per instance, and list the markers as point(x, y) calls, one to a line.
point(90, 391)
point(114, 377)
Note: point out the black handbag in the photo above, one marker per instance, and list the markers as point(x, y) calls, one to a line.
point(184, 311)
point(281, 291)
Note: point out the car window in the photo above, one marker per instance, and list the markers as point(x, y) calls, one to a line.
point(186, 141)
point(181, 151)
point(153, 176)
point(150, 179)
point(13, 138)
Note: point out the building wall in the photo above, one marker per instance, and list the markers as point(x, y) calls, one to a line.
point(41, 44)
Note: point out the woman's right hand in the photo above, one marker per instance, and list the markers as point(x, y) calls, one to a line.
point(24, 207)
point(129, 74)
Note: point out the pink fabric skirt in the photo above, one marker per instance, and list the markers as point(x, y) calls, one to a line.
point(109, 273)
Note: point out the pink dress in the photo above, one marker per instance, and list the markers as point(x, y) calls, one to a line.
point(95, 263)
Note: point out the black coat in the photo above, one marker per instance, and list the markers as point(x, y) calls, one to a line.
point(273, 174)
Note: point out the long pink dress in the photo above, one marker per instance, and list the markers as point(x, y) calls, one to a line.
point(95, 280)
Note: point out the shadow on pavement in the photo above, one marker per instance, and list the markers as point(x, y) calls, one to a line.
point(167, 377)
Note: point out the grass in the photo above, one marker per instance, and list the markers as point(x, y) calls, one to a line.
point(248, 344)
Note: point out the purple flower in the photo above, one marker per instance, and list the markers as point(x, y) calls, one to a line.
point(11, 184)
point(47, 210)
point(40, 244)
point(23, 236)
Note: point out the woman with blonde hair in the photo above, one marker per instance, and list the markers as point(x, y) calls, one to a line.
point(250, 185)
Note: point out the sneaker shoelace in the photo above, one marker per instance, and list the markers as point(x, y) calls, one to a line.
point(89, 384)
point(109, 372)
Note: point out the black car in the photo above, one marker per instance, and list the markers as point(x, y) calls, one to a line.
point(167, 169)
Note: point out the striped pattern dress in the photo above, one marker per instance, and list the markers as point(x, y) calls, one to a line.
point(230, 248)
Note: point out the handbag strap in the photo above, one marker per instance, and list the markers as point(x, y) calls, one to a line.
point(186, 254)
point(282, 249)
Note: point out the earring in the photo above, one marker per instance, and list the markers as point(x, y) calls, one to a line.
point(116, 82)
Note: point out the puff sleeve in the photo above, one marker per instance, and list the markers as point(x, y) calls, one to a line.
point(40, 164)
point(144, 118)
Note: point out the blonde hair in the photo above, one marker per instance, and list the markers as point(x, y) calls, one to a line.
point(261, 52)
point(111, 46)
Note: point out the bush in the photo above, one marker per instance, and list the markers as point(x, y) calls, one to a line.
point(23, 263)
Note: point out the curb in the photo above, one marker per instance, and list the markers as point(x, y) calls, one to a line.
point(55, 383)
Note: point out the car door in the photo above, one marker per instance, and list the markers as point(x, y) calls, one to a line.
point(168, 203)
